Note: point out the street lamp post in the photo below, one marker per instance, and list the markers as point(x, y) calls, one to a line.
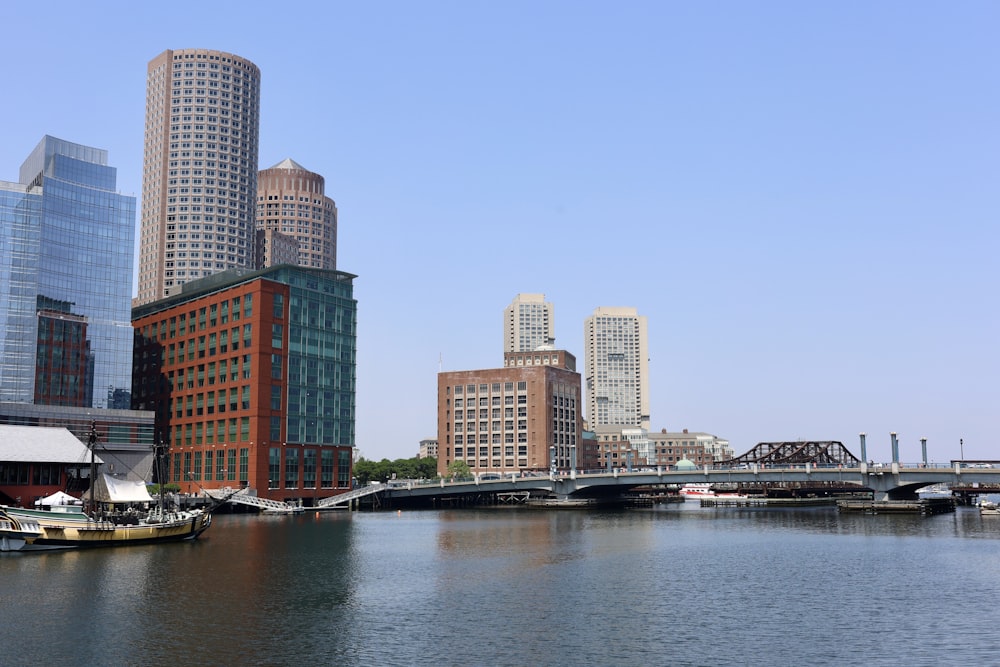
point(961, 449)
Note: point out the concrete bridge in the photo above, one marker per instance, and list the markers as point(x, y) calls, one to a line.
point(892, 481)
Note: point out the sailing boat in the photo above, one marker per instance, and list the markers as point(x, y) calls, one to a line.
point(71, 526)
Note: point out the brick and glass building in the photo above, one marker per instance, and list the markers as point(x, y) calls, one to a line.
point(524, 416)
point(252, 378)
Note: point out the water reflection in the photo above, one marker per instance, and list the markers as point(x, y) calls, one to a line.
point(675, 584)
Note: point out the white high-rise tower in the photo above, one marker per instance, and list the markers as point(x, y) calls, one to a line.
point(199, 178)
point(528, 323)
point(616, 358)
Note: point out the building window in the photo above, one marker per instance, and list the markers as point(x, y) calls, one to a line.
point(274, 468)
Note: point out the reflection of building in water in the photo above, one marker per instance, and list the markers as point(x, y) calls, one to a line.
point(65, 334)
point(63, 362)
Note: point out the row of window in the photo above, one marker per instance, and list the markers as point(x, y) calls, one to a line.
point(222, 463)
point(234, 429)
point(561, 438)
point(291, 468)
point(522, 450)
point(33, 474)
point(494, 427)
point(236, 398)
point(485, 401)
point(206, 316)
point(486, 388)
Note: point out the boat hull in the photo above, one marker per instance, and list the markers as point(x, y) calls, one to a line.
point(69, 532)
point(16, 534)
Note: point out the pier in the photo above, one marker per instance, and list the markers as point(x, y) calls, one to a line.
point(922, 506)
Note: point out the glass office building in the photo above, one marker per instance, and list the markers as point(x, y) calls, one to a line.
point(66, 254)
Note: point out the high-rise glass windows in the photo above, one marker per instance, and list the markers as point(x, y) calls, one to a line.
point(67, 236)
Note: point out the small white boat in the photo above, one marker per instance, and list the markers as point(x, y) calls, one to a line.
point(701, 490)
point(293, 509)
point(989, 508)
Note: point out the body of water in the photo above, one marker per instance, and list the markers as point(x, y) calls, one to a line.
point(672, 585)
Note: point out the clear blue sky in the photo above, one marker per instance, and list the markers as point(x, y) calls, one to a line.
point(802, 197)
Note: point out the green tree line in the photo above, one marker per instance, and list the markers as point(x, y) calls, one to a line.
point(382, 471)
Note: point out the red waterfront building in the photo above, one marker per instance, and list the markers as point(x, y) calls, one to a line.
point(251, 375)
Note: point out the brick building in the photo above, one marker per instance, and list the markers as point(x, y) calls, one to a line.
point(511, 419)
point(252, 378)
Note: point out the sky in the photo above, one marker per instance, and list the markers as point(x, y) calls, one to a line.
point(801, 197)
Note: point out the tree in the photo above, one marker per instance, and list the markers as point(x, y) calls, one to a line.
point(382, 471)
point(459, 469)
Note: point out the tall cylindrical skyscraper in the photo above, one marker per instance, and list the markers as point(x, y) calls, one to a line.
point(199, 168)
point(291, 202)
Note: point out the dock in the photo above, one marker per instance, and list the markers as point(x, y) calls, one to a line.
point(763, 501)
point(924, 506)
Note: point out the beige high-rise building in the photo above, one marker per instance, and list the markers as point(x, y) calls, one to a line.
point(528, 324)
point(616, 357)
point(199, 168)
point(291, 201)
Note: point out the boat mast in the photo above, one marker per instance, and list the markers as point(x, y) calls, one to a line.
point(159, 448)
point(92, 445)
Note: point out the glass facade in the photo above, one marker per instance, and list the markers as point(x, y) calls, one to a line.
point(67, 251)
point(321, 357)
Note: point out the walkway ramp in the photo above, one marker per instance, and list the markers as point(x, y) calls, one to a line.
point(354, 494)
point(242, 497)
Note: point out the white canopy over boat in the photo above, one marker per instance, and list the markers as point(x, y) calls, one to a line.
point(113, 490)
point(58, 498)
